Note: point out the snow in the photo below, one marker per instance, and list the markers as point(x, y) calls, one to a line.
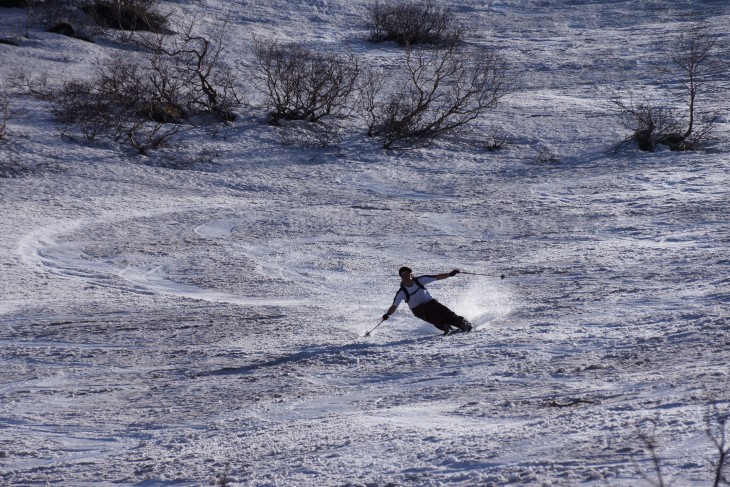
point(206, 323)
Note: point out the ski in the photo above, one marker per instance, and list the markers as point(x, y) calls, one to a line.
point(454, 331)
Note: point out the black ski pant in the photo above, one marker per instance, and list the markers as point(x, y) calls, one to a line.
point(438, 315)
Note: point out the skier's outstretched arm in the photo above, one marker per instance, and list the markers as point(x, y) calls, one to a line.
point(390, 311)
point(447, 274)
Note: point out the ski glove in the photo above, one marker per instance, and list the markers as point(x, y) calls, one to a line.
point(454, 272)
point(386, 316)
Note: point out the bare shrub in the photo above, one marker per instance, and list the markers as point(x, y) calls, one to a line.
point(132, 87)
point(410, 22)
point(308, 135)
point(546, 155)
point(717, 423)
point(301, 84)
point(144, 103)
point(10, 161)
point(653, 122)
point(35, 85)
point(436, 93)
point(10, 165)
point(372, 91)
point(648, 123)
point(145, 135)
point(131, 15)
point(120, 103)
point(651, 445)
point(497, 139)
point(6, 113)
point(120, 96)
point(80, 105)
point(186, 71)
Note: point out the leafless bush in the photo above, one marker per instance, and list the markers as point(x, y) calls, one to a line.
point(439, 92)
point(300, 84)
point(10, 165)
point(717, 423)
point(120, 95)
point(410, 22)
point(652, 123)
point(120, 103)
point(373, 84)
point(187, 72)
point(30, 84)
point(144, 135)
point(308, 135)
point(546, 155)
point(144, 103)
point(651, 445)
point(131, 86)
point(6, 113)
point(649, 123)
point(130, 15)
point(497, 139)
point(80, 105)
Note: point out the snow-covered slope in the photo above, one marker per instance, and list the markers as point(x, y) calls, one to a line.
point(206, 324)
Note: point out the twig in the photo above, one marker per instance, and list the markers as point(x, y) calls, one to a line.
point(554, 403)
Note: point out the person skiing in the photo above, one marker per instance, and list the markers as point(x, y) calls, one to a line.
point(423, 305)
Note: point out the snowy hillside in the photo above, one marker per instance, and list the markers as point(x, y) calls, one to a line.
point(197, 316)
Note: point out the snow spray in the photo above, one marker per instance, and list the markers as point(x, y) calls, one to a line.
point(482, 300)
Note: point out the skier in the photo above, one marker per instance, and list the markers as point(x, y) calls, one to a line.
point(423, 305)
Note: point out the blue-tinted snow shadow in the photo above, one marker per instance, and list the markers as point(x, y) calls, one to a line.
point(354, 350)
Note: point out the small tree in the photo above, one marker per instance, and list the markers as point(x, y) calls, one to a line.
point(187, 72)
point(441, 92)
point(690, 57)
point(652, 123)
point(409, 22)
point(300, 84)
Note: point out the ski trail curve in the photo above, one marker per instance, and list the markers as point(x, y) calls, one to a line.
point(44, 252)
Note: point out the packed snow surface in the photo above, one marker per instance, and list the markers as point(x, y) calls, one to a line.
point(201, 318)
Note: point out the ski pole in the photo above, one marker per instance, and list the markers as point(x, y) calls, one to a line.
point(368, 333)
point(502, 276)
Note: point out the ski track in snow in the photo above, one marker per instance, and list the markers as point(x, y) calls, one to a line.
point(204, 325)
point(40, 249)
